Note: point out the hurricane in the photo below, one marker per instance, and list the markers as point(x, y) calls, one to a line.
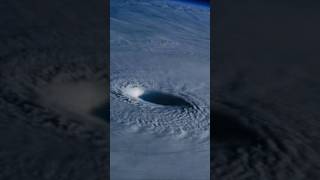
point(159, 90)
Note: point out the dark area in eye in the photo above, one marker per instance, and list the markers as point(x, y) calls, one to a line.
point(229, 130)
point(164, 99)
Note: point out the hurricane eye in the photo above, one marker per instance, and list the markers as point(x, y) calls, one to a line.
point(85, 100)
point(164, 99)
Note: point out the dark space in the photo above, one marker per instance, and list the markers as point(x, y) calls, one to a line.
point(201, 2)
point(265, 90)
